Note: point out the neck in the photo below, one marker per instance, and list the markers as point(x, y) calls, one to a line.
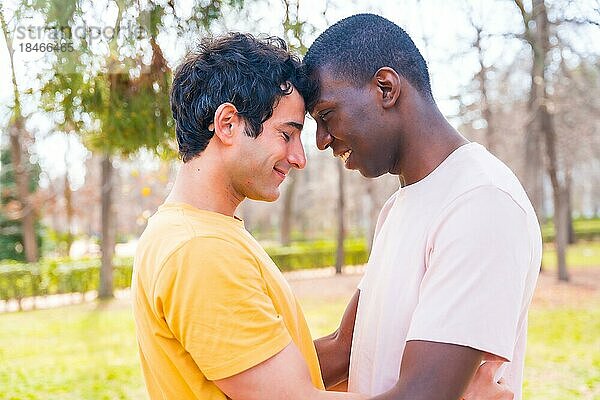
point(201, 185)
point(428, 139)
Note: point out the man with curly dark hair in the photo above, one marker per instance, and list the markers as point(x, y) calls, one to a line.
point(215, 317)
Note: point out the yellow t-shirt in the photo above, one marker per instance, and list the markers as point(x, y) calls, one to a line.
point(209, 303)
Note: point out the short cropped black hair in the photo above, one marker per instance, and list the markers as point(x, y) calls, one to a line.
point(357, 46)
point(250, 73)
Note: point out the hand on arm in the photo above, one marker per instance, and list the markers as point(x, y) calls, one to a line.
point(434, 371)
point(484, 386)
point(284, 376)
point(334, 350)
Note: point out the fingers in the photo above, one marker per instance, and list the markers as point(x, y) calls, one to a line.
point(489, 368)
point(487, 386)
point(507, 394)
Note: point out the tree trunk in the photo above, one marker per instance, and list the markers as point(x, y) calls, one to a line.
point(545, 121)
point(68, 195)
point(484, 103)
point(371, 187)
point(340, 255)
point(533, 163)
point(533, 177)
point(561, 217)
point(108, 241)
point(560, 197)
point(26, 213)
point(16, 132)
point(68, 213)
point(288, 206)
point(568, 187)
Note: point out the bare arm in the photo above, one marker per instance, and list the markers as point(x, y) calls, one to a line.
point(284, 376)
point(334, 350)
point(434, 371)
point(484, 385)
point(438, 372)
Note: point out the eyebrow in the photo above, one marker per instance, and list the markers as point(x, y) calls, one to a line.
point(294, 125)
point(319, 104)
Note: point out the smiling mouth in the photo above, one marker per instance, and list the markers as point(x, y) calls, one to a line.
point(280, 173)
point(344, 156)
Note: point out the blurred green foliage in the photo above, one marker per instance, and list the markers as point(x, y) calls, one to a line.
point(20, 280)
point(48, 277)
point(11, 233)
point(584, 228)
point(318, 254)
point(55, 276)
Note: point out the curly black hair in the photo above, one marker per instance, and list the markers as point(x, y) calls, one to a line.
point(357, 46)
point(252, 74)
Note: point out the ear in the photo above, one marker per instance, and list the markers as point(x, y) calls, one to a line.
point(227, 123)
point(389, 85)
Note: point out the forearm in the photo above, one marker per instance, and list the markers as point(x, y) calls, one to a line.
point(434, 371)
point(284, 376)
point(334, 350)
point(339, 396)
point(420, 392)
point(333, 358)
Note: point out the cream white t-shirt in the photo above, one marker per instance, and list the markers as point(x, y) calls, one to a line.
point(455, 260)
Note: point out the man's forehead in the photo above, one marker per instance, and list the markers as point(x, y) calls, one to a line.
point(330, 84)
point(292, 103)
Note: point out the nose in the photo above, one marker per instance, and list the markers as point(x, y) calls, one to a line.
point(324, 139)
point(296, 156)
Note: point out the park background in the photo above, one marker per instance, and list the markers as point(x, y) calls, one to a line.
point(88, 153)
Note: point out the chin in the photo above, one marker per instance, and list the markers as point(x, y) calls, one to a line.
point(370, 174)
point(268, 197)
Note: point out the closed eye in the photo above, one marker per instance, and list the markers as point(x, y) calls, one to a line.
point(285, 136)
point(323, 114)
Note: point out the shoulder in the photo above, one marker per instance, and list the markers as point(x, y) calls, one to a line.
point(210, 251)
point(209, 259)
point(478, 179)
point(485, 208)
point(483, 213)
point(485, 223)
point(487, 198)
point(480, 174)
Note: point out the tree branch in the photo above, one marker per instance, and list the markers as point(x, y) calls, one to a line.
point(579, 21)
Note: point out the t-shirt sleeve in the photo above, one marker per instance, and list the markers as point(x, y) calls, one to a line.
point(478, 258)
point(217, 305)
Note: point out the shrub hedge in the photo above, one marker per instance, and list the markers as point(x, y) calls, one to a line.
point(584, 229)
point(19, 280)
point(49, 277)
point(317, 255)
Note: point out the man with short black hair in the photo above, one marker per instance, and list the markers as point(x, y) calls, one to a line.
point(457, 248)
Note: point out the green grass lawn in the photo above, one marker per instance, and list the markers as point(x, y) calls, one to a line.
point(89, 351)
point(76, 352)
point(563, 354)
